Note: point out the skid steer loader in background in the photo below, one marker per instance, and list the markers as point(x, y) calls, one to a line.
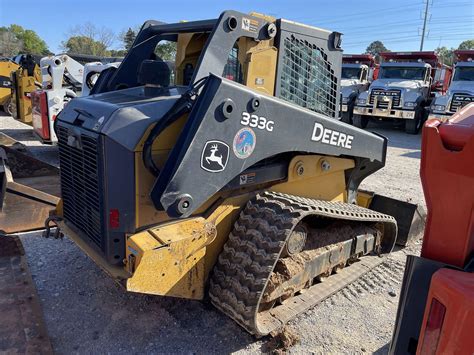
point(25, 80)
point(6, 67)
point(229, 176)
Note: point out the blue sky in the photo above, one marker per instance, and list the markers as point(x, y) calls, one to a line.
point(396, 23)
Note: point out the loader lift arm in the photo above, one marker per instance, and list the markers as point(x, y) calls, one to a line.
point(218, 116)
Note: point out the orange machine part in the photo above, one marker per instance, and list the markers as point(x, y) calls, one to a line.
point(447, 176)
point(455, 291)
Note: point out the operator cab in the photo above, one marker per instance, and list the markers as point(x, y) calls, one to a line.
point(358, 72)
point(464, 71)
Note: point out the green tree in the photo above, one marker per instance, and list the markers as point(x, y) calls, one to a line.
point(128, 38)
point(85, 45)
point(445, 54)
point(117, 52)
point(15, 39)
point(32, 43)
point(468, 44)
point(375, 48)
point(10, 45)
point(166, 50)
point(89, 39)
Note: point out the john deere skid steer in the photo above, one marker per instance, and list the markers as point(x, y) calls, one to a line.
point(226, 174)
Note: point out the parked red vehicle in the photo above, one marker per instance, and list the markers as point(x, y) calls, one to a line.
point(436, 307)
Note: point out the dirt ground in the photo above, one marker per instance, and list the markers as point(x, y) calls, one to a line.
point(85, 312)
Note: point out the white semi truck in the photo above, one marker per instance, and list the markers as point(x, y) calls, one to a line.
point(356, 75)
point(404, 89)
point(461, 89)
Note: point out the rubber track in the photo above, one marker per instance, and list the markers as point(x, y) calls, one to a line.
point(254, 246)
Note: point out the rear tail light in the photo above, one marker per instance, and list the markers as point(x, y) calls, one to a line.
point(40, 114)
point(114, 218)
point(433, 327)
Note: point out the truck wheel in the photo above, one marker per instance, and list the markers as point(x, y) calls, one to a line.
point(346, 117)
point(360, 121)
point(8, 107)
point(413, 126)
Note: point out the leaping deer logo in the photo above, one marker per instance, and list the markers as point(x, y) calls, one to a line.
point(215, 158)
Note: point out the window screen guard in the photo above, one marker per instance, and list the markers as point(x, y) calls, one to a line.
point(306, 76)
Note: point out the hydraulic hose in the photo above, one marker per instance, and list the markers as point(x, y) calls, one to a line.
point(183, 105)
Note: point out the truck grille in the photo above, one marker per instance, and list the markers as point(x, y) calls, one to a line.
point(80, 184)
point(394, 94)
point(459, 101)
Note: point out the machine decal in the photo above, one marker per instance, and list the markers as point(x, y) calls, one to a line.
point(255, 121)
point(215, 156)
point(244, 143)
point(249, 25)
point(331, 137)
point(5, 82)
point(99, 123)
point(248, 178)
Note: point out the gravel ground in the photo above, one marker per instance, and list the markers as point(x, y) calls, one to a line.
point(86, 312)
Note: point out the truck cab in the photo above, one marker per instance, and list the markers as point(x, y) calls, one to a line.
point(461, 88)
point(355, 78)
point(403, 90)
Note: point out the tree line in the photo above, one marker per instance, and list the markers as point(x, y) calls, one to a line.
point(446, 55)
point(94, 40)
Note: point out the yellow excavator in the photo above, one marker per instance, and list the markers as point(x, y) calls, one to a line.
point(226, 175)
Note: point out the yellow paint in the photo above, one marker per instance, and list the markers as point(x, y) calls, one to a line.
point(188, 51)
point(24, 86)
point(315, 182)
point(169, 260)
point(146, 213)
point(261, 68)
point(175, 259)
point(364, 198)
point(6, 68)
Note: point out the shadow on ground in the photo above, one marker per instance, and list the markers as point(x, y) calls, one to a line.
point(20, 134)
point(87, 312)
point(383, 350)
point(397, 137)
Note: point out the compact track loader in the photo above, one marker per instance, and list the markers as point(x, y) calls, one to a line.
point(227, 174)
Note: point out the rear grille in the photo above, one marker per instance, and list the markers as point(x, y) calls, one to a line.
point(80, 184)
point(459, 101)
point(394, 94)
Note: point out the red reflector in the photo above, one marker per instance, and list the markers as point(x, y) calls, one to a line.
point(114, 220)
point(40, 114)
point(433, 327)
